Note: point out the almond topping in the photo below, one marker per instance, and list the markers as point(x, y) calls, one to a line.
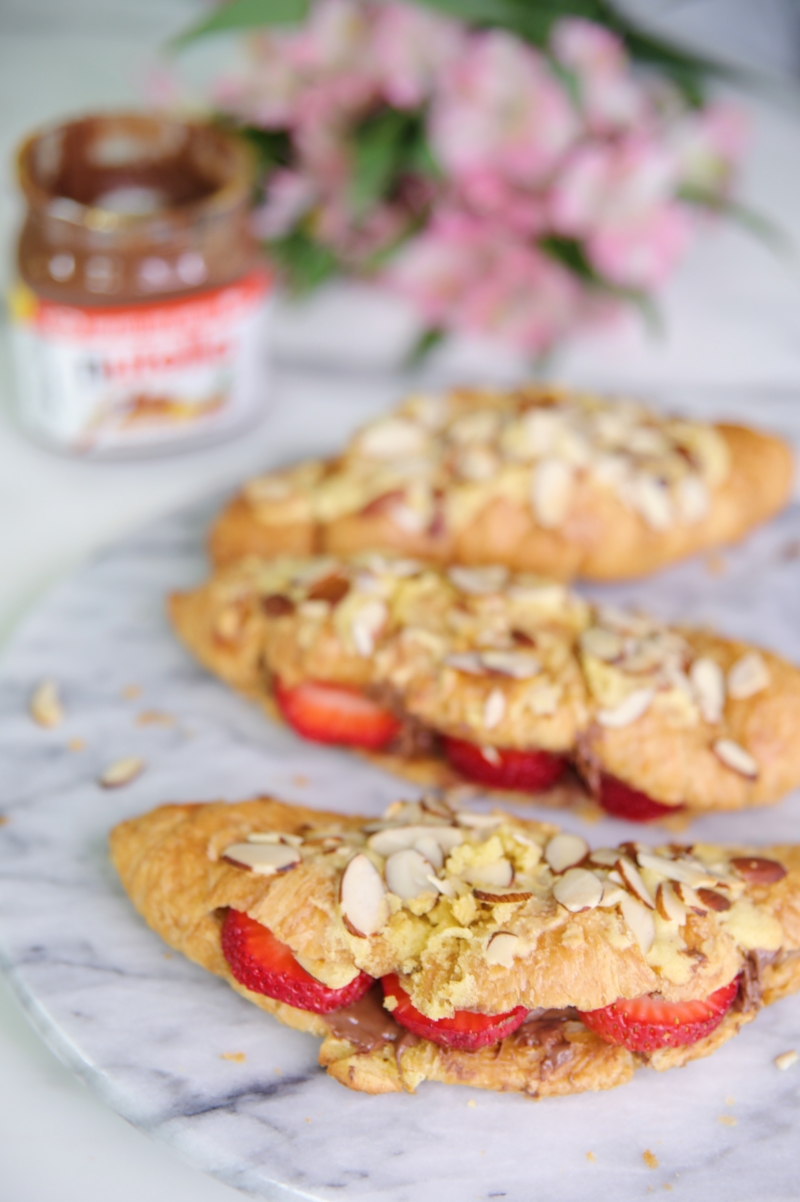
point(333, 589)
point(505, 895)
point(501, 949)
point(601, 643)
point(466, 661)
point(635, 705)
point(640, 921)
point(494, 709)
point(786, 1060)
point(689, 897)
point(708, 682)
point(748, 676)
point(735, 757)
point(758, 871)
point(266, 859)
point(362, 897)
point(478, 581)
point(45, 705)
point(551, 492)
point(122, 772)
point(676, 870)
point(365, 625)
point(479, 822)
point(578, 889)
point(669, 905)
point(400, 838)
point(276, 605)
point(275, 837)
point(714, 900)
point(407, 874)
point(633, 882)
point(565, 851)
point(500, 874)
point(612, 894)
point(517, 664)
point(604, 857)
point(492, 756)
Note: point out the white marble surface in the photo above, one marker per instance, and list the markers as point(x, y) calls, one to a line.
point(147, 1030)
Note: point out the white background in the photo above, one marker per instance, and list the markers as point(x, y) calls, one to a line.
point(732, 316)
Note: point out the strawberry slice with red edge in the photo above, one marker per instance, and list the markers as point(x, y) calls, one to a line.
point(466, 1030)
point(505, 768)
point(263, 964)
point(334, 713)
point(621, 801)
point(645, 1024)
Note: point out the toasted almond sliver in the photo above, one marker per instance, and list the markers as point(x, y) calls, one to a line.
point(466, 661)
point(689, 897)
point(676, 870)
point(786, 1060)
point(399, 838)
point(640, 920)
point(499, 874)
point(735, 757)
point(551, 492)
point(365, 625)
point(45, 704)
point(362, 897)
point(612, 894)
point(601, 643)
point(496, 896)
point(578, 889)
point(491, 755)
point(407, 874)
point(565, 851)
point(604, 857)
point(266, 859)
point(758, 871)
point(669, 905)
point(635, 705)
point(122, 772)
point(501, 949)
point(708, 682)
point(748, 676)
point(478, 822)
point(713, 900)
point(275, 837)
point(494, 709)
point(478, 582)
point(517, 664)
point(633, 882)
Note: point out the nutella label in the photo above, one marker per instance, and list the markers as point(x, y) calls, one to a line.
point(98, 379)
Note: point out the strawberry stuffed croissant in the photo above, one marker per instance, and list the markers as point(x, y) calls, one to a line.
point(474, 674)
point(541, 479)
point(449, 946)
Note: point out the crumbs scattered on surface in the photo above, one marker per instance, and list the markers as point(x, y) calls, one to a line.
point(649, 1159)
point(3, 819)
point(300, 780)
point(786, 1060)
point(666, 1185)
point(590, 1156)
point(154, 718)
point(716, 565)
point(76, 744)
point(278, 1072)
point(132, 691)
point(730, 1100)
point(122, 772)
point(728, 1120)
point(236, 1057)
point(167, 955)
point(472, 1103)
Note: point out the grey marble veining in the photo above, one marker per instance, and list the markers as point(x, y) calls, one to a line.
point(147, 1029)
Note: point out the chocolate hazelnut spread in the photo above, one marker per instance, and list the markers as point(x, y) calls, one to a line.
point(366, 1024)
point(140, 298)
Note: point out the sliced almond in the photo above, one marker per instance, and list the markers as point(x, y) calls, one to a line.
point(758, 871)
point(565, 851)
point(635, 705)
point(601, 643)
point(633, 882)
point(604, 857)
point(551, 492)
point(652, 500)
point(491, 755)
point(612, 894)
point(478, 582)
point(640, 921)
point(391, 438)
point(676, 870)
point(122, 772)
point(442, 886)
point(494, 709)
point(466, 661)
point(669, 905)
point(499, 874)
point(502, 948)
point(691, 499)
point(45, 704)
point(333, 589)
point(748, 676)
point(734, 756)
point(430, 848)
point(365, 625)
point(689, 897)
point(266, 859)
point(786, 1060)
point(712, 899)
point(479, 822)
point(276, 605)
point(496, 896)
point(407, 874)
point(228, 623)
point(362, 897)
point(708, 682)
point(517, 664)
point(275, 837)
point(578, 889)
point(400, 838)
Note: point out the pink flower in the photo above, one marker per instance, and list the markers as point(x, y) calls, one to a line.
point(642, 252)
point(289, 196)
point(499, 108)
point(709, 144)
point(334, 39)
point(610, 97)
point(464, 274)
point(409, 49)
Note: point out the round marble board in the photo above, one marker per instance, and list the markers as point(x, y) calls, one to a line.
point(180, 1055)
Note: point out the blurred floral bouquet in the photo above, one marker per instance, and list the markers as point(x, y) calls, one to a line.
point(512, 169)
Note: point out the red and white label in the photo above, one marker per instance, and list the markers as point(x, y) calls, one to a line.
point(94, 379)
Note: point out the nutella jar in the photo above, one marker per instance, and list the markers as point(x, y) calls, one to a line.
point(140, 310)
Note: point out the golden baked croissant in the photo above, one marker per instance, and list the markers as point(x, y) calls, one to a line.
point(504, 679)
point(540, 479)
point(510, 956)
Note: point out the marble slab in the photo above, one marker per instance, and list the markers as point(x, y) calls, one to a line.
point(150, 1032)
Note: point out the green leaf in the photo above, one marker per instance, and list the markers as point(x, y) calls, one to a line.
point(426, 343)
point(757, 223)
point(570, 253)
point(246, 14)
point(273, 147)
point(388, 145)
point(303, 262)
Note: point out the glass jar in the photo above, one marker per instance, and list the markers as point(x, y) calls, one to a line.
point(140, 308)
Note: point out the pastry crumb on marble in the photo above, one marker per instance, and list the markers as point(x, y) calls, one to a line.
point(504, 679)
point(540, 478)
point(433, 922)
point(786, 1060)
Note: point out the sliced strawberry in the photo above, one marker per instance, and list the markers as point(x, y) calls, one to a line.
point(527, 771)
point(262, 963)
point(466, 1030)
point(621, 801)
point(333, 713)
point(645, 1024)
